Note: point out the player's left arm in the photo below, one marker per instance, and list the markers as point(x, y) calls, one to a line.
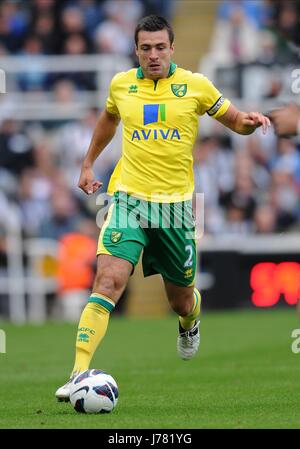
point(243, 122)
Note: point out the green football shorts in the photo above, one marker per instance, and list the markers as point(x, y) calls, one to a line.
point(165, 232)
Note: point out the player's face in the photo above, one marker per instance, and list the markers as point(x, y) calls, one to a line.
point(154, 51)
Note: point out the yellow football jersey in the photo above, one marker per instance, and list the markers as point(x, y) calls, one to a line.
point(160, 125)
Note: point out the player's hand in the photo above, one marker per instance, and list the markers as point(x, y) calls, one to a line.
point(256, 119)
point(87, 182)
point(285, 120)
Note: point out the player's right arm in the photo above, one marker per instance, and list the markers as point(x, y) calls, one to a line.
point(104, 132)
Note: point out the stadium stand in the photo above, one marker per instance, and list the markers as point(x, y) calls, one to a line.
point(59, 57)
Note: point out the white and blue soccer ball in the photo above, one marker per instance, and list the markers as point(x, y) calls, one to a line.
point(94, 391)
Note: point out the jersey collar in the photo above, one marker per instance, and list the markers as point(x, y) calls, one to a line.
point(140, 75)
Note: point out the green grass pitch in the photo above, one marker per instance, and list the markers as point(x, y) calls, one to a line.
point(245, 375)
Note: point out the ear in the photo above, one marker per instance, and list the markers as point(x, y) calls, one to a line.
point(136, 51)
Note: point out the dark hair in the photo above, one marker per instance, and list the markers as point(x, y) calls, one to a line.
point(153, 23)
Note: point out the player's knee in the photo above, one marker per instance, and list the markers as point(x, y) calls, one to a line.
point(183, 307)
point(108, 284)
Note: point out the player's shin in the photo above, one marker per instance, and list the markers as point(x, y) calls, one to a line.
point(187, 322)
point(91, 330)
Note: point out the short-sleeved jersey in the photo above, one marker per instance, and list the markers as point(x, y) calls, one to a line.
point(160, 125)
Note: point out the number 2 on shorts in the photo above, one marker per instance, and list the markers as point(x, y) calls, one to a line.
point(189, 260)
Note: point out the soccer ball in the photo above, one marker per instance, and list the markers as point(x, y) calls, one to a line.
point(94, 391)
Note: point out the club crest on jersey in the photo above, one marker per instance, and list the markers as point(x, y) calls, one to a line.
point(132, 89)
point(179, 89)
point(115, 236)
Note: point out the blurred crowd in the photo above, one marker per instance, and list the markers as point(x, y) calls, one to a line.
point(70, 27)
point(256, 30)
point(39, 167)
point(39, 171)
point(251, 184)
point(73, 26)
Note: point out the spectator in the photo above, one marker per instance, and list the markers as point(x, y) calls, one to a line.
point(75, 44)
point(267, 51)
point(35, 187)
point(213, 170)
point(285, 199)
point(287, 202)
point(37, 8)
point(265, 219)
point(287, 159)
point(126, 12)
point(64, 214)
point(93, 14)
point(43, 6)
point(205, 170)
point(239, 203)
point(235, 39)
point(44, 30)
point(76, 267)
point(165, 8)
point(242, 197)
point(33, 198)
point(287, 18)
point(65, 96)
point(64, 91)
point(6, 39)
point(256, 12)
point(16, 148)
point(14, 23)
point(285, 27)
point(110, 38)
point(72, 22)
point(71, 142)
point(114, 35)
point(236, 219)
point(36, 79)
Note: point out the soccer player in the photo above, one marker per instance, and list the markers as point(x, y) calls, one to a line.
point(159, 105)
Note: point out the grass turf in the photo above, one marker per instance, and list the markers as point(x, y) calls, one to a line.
point(245, 375)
